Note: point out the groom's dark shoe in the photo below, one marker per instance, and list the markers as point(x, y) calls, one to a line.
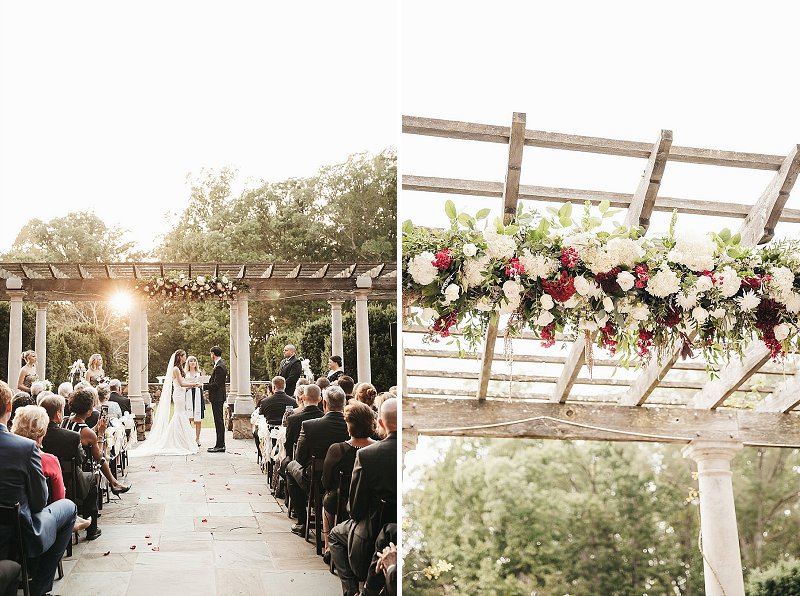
point(299, 529)
point(216, 449)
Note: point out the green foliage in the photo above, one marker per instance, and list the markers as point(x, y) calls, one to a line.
point(80, 341)
point(28, 334)
point(779, 579)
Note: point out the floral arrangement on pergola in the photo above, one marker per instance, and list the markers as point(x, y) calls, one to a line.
point(638, 295)
point(179, 286)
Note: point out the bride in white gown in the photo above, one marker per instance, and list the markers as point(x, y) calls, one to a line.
point(171, 435)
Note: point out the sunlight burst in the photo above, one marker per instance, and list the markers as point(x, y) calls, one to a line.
point(121, 303)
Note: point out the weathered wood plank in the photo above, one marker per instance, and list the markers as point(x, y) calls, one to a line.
point(549, 194)
point(785, 398)
point(595, 422)
point(735, 374)
point(514, 170)
point(536, 138)
point(759, 225)
point(487, 357)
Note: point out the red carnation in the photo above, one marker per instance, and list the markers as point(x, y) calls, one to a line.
point(644, 343)
point(754, 283)
point(442, 260)
point(569, 258)
point(548, 334)
point(607, 340)
point(562, 289)
point(642, 274)
point(514, 268)
point(443, 324)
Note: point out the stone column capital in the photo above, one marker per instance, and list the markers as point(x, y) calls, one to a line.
point(16, 295)
point(361, 293)
point(712, 454)
point(336, 304)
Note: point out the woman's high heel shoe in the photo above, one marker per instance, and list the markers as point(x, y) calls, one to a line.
point(118, 491)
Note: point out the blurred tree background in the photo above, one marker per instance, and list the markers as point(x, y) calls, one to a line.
point(525, 517)
point(345, 213)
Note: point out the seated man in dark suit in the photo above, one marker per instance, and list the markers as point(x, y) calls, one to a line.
point(116, 396)
point(347, 384)
point(374, 478)
point(47, 529)
point(316, 436)
point(311, 411)
point(63, 443)
point(273, 407)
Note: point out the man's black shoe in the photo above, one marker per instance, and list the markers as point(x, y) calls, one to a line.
point(216, 449)
point(299, 529)
point(94, 535)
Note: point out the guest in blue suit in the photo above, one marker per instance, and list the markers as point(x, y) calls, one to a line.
point(47, 529)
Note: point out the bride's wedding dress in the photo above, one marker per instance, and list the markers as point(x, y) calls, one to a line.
point(169, 435)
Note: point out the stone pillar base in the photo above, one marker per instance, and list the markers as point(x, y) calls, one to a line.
point(242, 429)
point(227, 413)
point(140, 428)
point(148, 418)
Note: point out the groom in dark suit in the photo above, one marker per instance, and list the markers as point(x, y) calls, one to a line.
point(216, 395)
point(46, 529)
point(291, 368)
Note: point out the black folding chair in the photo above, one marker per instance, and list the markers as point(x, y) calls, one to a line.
point(314, 504)
point(341, 514)
point(10, 516)
point(288, 500)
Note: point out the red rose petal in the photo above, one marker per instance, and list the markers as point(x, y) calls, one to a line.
point(108, 552)
point(205, 521)
point(149, 544)
point(194, 480)
point(155, 548)
point(147, 535)
point(133, 547)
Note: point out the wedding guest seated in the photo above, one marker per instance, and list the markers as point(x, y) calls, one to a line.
point(47, 529)
point(382, 573)
point(36, 389)
point(341, 457)
point(374, 479)
point(311, 411)
point(116, 396)
point(323, 383)
point(347, 384)
point(20, 400)
point(274, 407)
point(316, 436)
point(256, 438)
point(66, 390)
point(9, 577)
point(94, 416)
point(65, 445)
point(81, 409)
point(103, 397)
point(366, 394)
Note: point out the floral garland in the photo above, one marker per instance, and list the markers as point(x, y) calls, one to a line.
point(181, 287)
point(636, 295)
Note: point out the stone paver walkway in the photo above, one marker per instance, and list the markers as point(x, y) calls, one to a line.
point(215, 529)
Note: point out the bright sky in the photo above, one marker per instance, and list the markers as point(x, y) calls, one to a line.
point(108, 106)
point(716, 76)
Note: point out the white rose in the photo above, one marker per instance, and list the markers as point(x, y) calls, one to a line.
point(422, 269)
point(601, 318)
point(730, 283)
point(664, 283)
point(781, 331)
point(625, 279)
point(748, 301)
point(451, 293)
point(429, 314)
point(587, 287)
point(640, 312)
point(587, 325)
point(225, 279)
point(608, 304)
point(470, 250)
point(547, 301)
point(793, 303)
point(718, 313)
point(571, 303)
point(483, 304)
point(511, 306)
point(699, 314)
point(201, 279)
point(704, 283)
point(545, 318)
point(512, 289)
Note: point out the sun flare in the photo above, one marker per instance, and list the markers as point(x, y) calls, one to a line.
point(121, 303)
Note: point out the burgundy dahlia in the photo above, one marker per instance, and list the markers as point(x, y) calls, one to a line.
point(442, 260)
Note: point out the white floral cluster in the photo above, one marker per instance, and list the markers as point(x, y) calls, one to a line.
point(191, 288)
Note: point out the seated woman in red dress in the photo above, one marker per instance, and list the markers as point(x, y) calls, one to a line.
point(31, 422)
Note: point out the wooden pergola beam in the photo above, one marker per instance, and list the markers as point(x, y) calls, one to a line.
point(641, 206)
point(759, 225)
point(516, 147)
point(732, 378)
point(785, 399)
point(551, 194)
point(595, 422)
point(535, 138)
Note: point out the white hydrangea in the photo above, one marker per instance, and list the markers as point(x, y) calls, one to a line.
point(537, 265)
point(640, 312)
point(618, 252)
point(469, 250)
point(422, 269)
point(664, 283)
point(696, 252)
point(451, 293)
point(626, 279)
point(748, 301)
point(499, 246)
point(687, 301)
point(703, 283)
point(781, 331)
point(793, 303)
point(474, 270)
point(729, 282)
point(782, 280)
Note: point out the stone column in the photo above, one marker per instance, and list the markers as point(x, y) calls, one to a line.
point(234, 349)
point(362, 329)
point(337, 343)
point(15, 295)
point(40, 345)
point(145, 367)
point(135, 364)
point(722, 561)
point(244, 397)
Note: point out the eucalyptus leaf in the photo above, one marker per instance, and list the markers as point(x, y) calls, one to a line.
point(450, 209)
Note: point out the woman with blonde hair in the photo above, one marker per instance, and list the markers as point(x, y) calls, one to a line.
point(94, 373)
point(27, 374)
point(195, 403)
point(31, 422)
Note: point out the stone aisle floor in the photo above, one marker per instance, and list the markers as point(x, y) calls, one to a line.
point(215, 529)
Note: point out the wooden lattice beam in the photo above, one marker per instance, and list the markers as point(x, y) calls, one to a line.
point(733, 377)
point(551, 194)
point(641, 206)
point(516, 146)
point(784, 399)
